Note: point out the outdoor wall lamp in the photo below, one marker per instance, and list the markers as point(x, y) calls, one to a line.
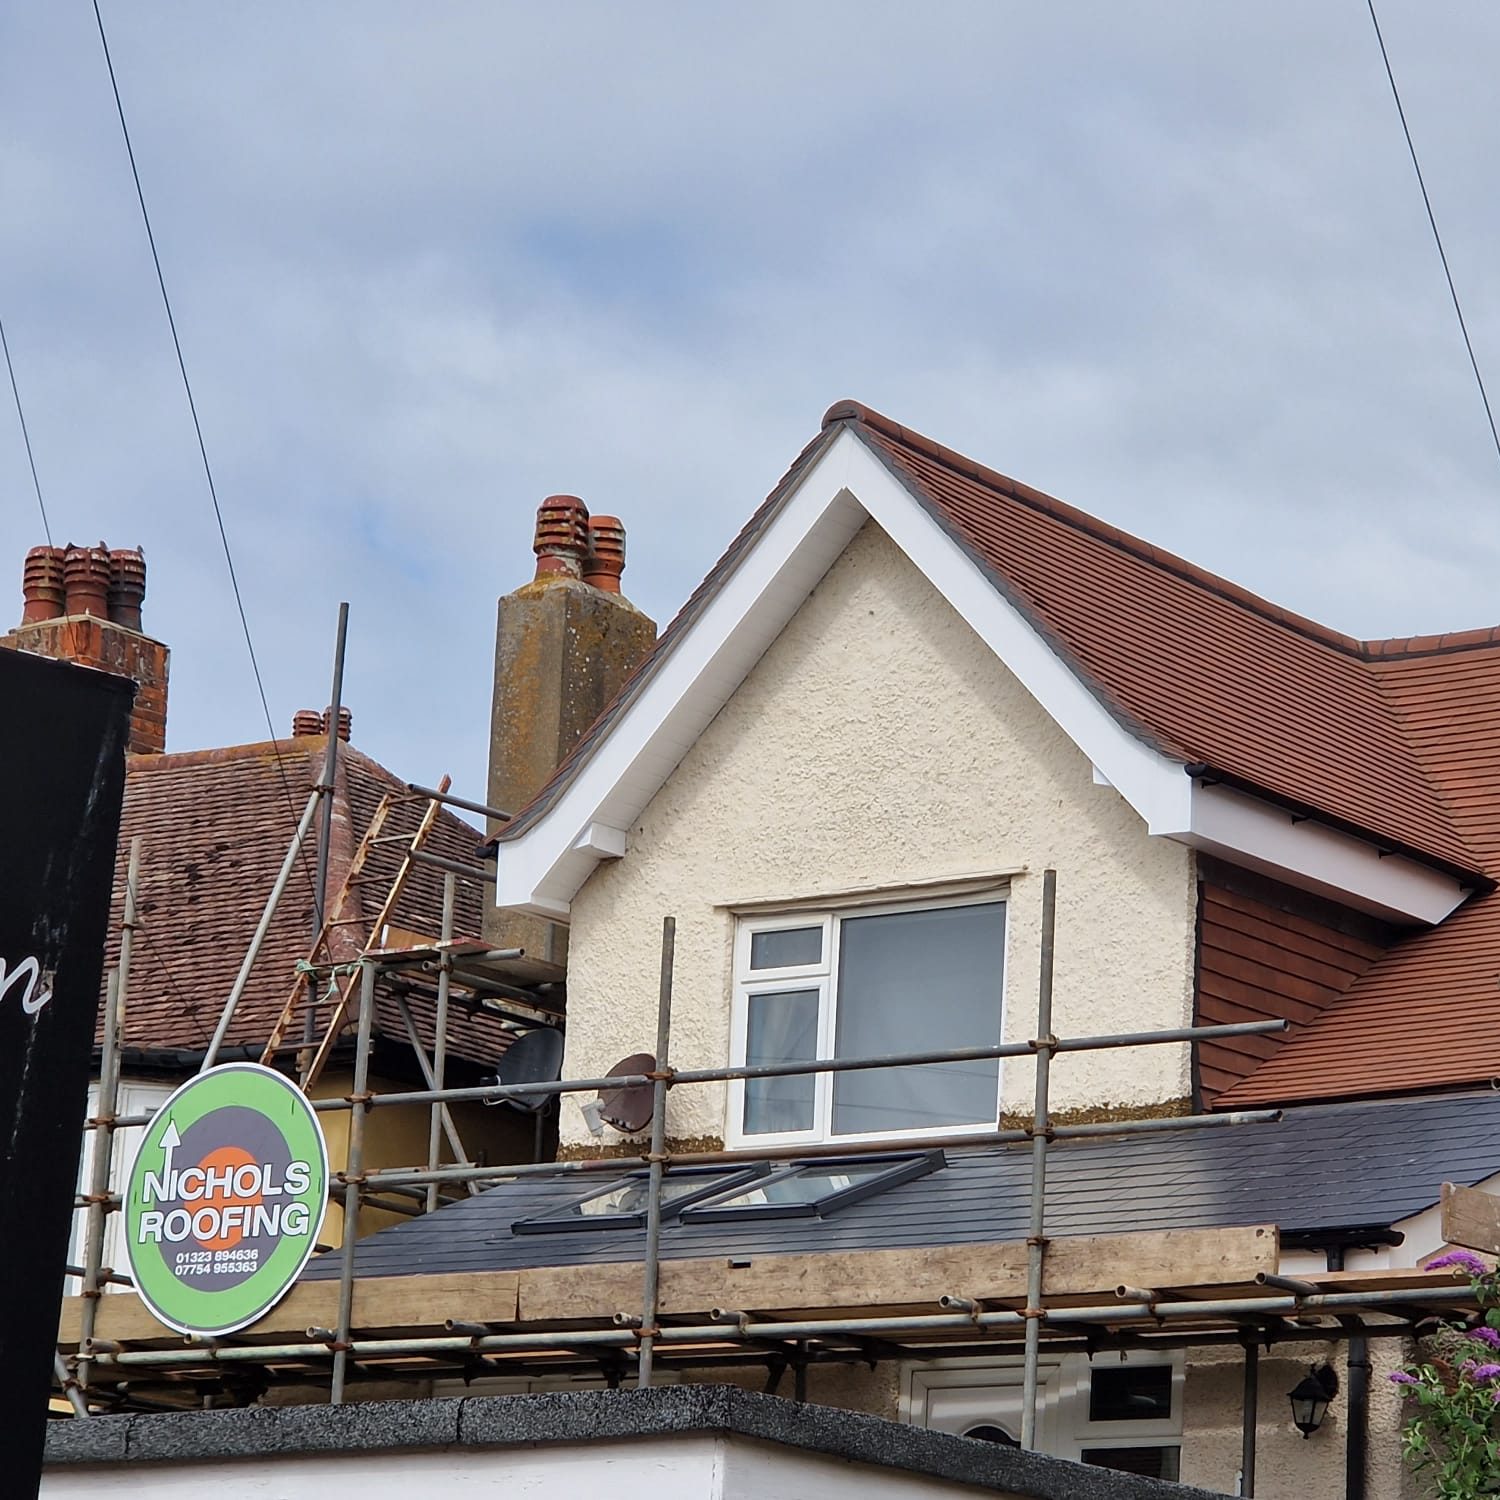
point(1310, 1398)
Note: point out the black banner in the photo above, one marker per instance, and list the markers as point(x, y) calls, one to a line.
point(63, 731)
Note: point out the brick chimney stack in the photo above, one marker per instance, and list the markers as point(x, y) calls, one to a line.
point(83, 604)
point(565, 643)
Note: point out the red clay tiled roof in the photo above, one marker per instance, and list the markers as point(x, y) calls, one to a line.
point(1427, 1015)
point(215, 826)
point(1397, 740)
point(1196, 665)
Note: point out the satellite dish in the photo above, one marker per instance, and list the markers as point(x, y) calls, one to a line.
point(629, 1108)
point(534, 1057)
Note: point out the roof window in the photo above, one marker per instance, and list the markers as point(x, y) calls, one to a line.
point(813, 1188)
point(621, 1204)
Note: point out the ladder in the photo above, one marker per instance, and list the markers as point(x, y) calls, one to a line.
point(303, 997)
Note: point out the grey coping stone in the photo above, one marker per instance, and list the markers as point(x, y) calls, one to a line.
point(99, 1440)
point(592, 1416)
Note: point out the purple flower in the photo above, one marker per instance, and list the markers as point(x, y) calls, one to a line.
point(1490, 1336)
point(1471, 1263)
point(1480, 1372)
point(1400, 1377)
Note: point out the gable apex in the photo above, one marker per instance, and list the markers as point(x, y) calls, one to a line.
point(850, 473)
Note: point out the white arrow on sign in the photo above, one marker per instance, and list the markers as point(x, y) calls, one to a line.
point(170, 1141)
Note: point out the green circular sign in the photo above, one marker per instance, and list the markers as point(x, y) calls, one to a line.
point(225, 1199)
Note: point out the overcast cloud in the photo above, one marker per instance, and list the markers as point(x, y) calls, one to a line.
point(433, 262)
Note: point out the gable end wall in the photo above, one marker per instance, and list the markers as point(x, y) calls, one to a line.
point(879, 742)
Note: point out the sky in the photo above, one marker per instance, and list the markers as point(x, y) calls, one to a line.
point(430, 263)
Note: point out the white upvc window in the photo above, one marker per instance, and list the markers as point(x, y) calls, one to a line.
point(868, 982)
point(1113, 1411)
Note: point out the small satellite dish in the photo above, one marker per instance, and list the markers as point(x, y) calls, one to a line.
point(629, 1108)
point(534, 1057)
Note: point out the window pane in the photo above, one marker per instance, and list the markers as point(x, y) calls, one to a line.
point(798, 946)
point(628, 1197)
point(806, 1186)
point(781, 1028)
point(1128, 1393)
point(914, 982)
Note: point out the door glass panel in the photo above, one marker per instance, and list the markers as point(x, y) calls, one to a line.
point(1130, 1393)
point(1154, 1463)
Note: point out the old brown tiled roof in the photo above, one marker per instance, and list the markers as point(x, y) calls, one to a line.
point(214, 828)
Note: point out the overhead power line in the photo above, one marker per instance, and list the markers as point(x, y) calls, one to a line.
point(187, 385)
point(1463, 327)
point(15, 391)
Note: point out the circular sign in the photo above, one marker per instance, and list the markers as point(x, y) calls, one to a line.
point(225, 1199)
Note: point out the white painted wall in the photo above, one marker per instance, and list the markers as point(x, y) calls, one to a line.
point(690, 1467)
point(879, 742)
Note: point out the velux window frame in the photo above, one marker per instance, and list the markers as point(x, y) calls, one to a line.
point(823, 977)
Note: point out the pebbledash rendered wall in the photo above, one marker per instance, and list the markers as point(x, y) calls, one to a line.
point(880, 743)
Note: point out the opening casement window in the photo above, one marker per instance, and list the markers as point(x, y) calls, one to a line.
point(868, 983)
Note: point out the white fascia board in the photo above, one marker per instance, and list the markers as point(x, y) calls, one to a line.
point(542, 869)
point(1154, 784)
point(1309, 854)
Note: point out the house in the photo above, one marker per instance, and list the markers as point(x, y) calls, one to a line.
point(909, 686)
point(214, 827)
point(911, 696)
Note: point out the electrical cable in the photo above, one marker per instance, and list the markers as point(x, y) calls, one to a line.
point(187, 386)
point(25, 435)
point(1432, 220)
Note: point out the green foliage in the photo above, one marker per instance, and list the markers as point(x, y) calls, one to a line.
point(1452, 1436)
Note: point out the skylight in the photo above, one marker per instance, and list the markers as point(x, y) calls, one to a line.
point(621, 1204)
point(812, 1188)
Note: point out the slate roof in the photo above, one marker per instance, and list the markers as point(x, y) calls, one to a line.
point(215, 826)
point(1395, 740)
point(1324, 1167)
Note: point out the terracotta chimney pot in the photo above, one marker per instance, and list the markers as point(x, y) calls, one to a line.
point(606, 555)
point(306, 721)
point(42, 585)
point(562, 536)
point(346, 722)
point(127, 586)
point(86, 574)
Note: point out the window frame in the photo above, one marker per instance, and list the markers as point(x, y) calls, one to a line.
point(823, 977)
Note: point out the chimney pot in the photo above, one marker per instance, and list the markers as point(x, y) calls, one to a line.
point(86, 581)
point(306, 721)
point(346, 722)
point(562, 536)
point(127, 586)
point(42, 585)
point(606, 556)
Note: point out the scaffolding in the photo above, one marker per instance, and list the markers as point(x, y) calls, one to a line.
point(1245, 1311)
